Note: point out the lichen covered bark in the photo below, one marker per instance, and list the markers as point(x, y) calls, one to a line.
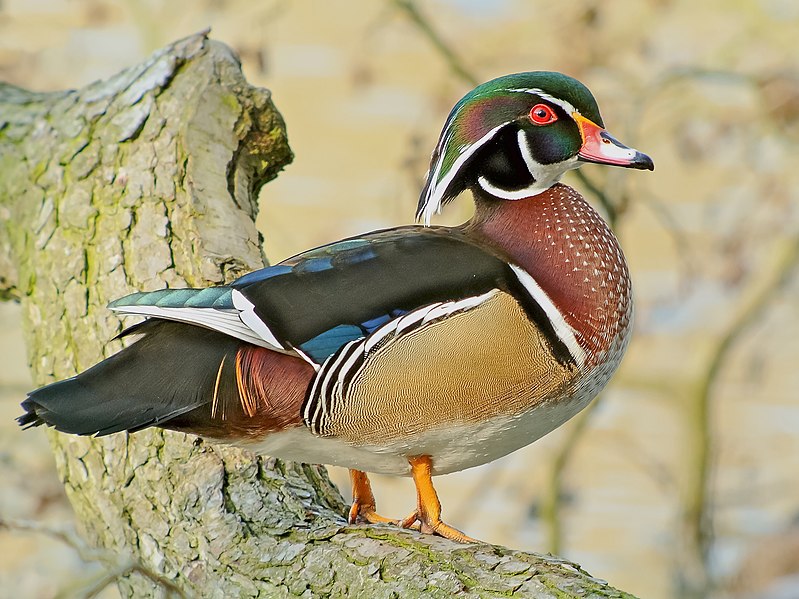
point(150, 179)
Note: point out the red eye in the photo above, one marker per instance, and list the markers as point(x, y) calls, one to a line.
point(541, 114)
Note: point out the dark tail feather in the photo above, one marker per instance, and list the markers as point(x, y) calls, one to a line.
point(174, 369)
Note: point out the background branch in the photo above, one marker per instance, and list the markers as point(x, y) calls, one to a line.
point(116, 566)
point(697, 510)
point(425, 27)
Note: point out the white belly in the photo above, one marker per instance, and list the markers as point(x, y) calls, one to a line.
point(452, 448)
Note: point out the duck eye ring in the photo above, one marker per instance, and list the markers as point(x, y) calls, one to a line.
point(541, 114)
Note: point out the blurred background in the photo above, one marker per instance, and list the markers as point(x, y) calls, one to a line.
point(681, 480)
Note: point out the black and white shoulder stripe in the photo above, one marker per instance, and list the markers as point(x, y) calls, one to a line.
point(562, 330)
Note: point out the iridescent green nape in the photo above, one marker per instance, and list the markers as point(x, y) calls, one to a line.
point(551, 83)
point(474, 120)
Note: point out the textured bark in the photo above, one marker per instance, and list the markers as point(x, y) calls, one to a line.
point(151, 179)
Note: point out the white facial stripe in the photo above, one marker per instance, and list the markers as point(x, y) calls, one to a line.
point(567, 106)
point(562, 328)
point(544, 175)
point(436, 192)
point(534, 169)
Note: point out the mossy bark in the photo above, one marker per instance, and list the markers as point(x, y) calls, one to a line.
point(151, 179)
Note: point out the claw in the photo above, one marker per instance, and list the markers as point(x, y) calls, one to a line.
point(410, 521)
point(366, 513)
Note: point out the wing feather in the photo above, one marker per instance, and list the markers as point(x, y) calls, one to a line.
point(360, 289)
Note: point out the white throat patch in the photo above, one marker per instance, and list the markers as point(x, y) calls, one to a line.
point(544, 175)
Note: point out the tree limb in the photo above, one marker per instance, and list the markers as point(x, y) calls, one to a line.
point(150, 179)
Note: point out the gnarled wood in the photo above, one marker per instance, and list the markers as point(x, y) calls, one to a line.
point(150, 179)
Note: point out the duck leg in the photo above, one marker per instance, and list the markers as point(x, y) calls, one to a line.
point(363, 501)
point(428, 507)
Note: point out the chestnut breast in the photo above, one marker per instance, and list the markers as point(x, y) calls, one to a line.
point(566, 246)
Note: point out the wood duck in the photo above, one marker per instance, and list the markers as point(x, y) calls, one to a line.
point(417, 350)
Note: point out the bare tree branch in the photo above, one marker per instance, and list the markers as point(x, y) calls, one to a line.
point(116, 566)
point(434, 37)
point(697, 512)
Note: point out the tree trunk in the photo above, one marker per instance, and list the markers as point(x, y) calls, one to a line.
point(151, 179)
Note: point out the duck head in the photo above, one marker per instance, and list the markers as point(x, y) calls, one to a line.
point(515, 136)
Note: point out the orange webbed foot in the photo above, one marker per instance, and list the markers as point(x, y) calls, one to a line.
point(363, 501)
point(426, 518)
point(428, 510)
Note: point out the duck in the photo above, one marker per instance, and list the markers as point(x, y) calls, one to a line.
point(413, 351)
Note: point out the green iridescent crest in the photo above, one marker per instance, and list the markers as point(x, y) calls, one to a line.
point(483, 112)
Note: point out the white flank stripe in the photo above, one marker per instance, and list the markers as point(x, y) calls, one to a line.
point(322, 389)
point(306, 357)
point(358, 353)
point(424, 314)
point(379, 334)
point(413, 317)
point(324, 384)
point(325, 390)
point(311, 418)
point(562, 328)
point(320, 380)
point(250, 318)
point(473, 302)
point(459, 306)
point(437, 312)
